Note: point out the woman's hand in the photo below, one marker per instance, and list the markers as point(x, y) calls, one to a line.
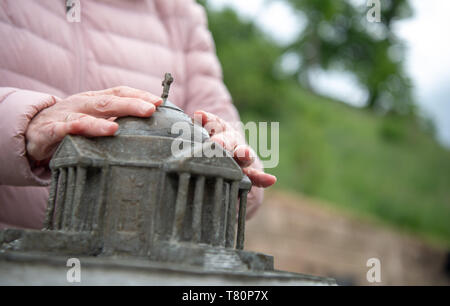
point(230, 139)
point(89, 114)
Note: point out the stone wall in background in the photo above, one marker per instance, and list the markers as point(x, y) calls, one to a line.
point(309, 237)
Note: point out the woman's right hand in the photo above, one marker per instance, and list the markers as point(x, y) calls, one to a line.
point(89, 114)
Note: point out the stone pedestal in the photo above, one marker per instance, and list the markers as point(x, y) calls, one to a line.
point(36, 269)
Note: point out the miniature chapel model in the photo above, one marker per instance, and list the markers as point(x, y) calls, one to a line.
point(129, 198)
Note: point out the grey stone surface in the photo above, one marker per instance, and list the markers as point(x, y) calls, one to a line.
point(31, 269)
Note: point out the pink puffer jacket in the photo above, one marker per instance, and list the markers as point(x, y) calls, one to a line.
point(131, 43)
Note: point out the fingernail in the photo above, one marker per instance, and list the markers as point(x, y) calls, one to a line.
point(108, 128)
point(154, 99)
point(146, 108)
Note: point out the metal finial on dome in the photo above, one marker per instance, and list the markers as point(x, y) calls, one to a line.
point(168, 79)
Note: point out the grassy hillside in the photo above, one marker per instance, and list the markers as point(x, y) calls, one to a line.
point(381, 167)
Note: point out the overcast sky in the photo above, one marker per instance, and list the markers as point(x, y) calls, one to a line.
point(427, 36)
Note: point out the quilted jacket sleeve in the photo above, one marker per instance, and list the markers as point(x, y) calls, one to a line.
point(17, 108)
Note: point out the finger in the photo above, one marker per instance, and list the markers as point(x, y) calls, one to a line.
point(78, 124)
point(259, 178)
point(128, 92)
point(58, 130)
point(113, 106)
point(47, 139)
point(218, 138)
point(244, 155)
point(41, 142)
point(212, 123)
point(91, 127)
point(228, 140)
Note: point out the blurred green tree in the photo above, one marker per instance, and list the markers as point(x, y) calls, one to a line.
point(383, 167)
point(338, 35)
point(248, 60)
